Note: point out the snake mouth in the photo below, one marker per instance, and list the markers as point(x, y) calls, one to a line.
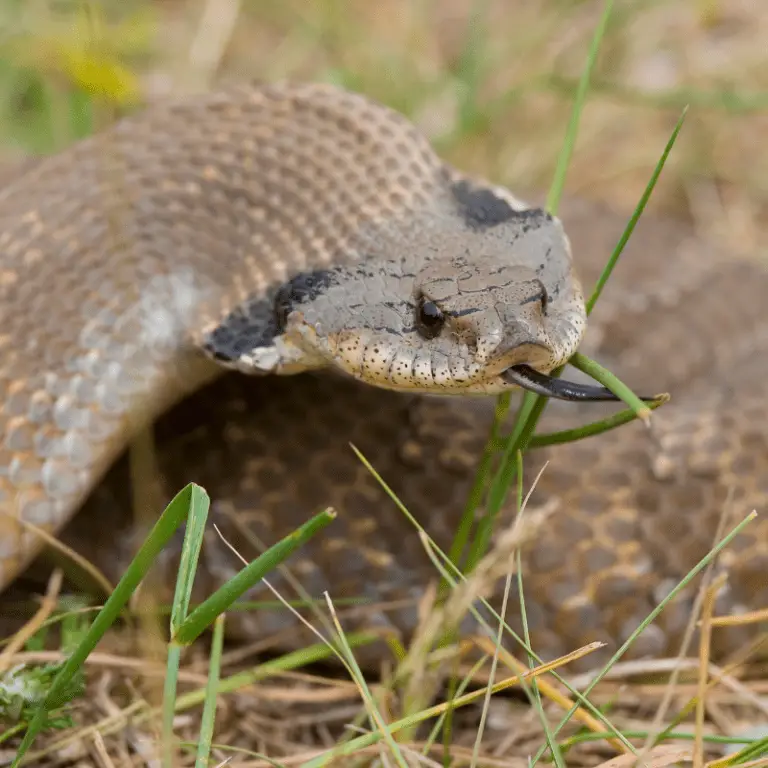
point(529, 379)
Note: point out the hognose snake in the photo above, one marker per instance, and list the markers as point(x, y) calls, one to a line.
point(288, 226)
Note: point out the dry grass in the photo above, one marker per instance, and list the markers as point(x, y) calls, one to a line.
point(496, 106)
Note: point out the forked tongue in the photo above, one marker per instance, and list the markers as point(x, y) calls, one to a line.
point(526, 377)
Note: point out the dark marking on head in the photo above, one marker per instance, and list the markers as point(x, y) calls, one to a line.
point(480, 208)
point(249, 326)
point(400, 306)
point(464, 312)
point(540, 295)
point(299, 289)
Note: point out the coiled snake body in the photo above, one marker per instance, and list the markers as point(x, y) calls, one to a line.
point(286, 228)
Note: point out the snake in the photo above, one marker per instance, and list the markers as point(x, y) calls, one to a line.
point(265, 275)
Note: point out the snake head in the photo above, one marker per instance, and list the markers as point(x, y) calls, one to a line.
point(474, 297)
point(459, 310)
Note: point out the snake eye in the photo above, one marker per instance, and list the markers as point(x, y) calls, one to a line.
point(431, 319)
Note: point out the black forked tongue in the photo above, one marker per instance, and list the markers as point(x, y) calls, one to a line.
point(541, 384)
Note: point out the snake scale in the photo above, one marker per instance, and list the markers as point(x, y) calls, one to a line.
point(285, 229)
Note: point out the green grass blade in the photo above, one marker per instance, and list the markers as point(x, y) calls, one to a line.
point(709, 738)
point(445, 567)
point(161, 533)
point(571, 132)
point(460, 691)
point(532, 405)
point(209, 707)
point(197, 517)
point(202, 617)
point(594, 427)
point(612, 382)
point(199, 504)
point(451, 573)
point(377, 721)
point(172, 665)
point(652, 616)
point(350, 747)
point(508, 446)
point(638, 212)
point(291, 661)
point(475, 498)
point(502, 482)
point(554, 747)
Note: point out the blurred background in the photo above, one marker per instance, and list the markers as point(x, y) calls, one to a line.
point(490, 81)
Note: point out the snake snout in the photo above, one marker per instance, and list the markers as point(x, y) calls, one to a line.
point(519, 345)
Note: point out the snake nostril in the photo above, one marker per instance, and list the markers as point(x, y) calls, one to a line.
point(430, 319)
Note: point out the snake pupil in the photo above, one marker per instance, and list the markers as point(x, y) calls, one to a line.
point(431, 319)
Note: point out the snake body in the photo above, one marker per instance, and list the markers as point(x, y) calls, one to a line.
point(288, 229)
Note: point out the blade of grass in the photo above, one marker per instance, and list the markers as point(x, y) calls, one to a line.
point(451, 573)
point(636, 214)
point(377, 721)
point(202, 617)
point(530, 409)
point(596, 371)
point(475, 498)
point(492, 675)
point(554, 694)
point(593, 428)
point(753, 751)
point(535, 693)
point(140, 713)
point(582, 697)
point(161, 533)
point(460, 689)
point(579, 99)
point(209, 706)
point(497, 496)
point(505, 474)
point(486, 522)
point(533, 405)
point(408, 722)
point(651, 618)
point(681, 735)
point(199, 504)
